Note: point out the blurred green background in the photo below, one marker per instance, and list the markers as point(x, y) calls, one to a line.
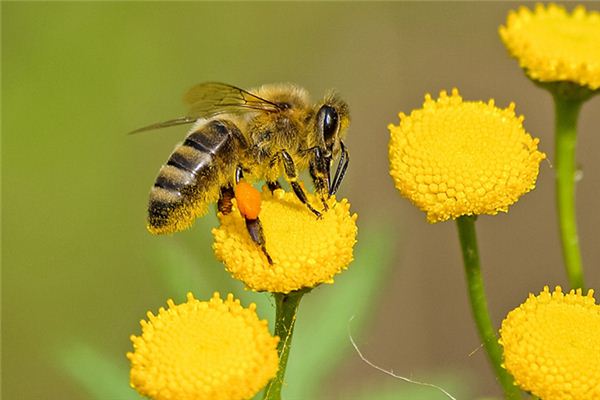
point(79, 269)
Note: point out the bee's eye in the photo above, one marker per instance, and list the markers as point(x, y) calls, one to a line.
point(328, 120)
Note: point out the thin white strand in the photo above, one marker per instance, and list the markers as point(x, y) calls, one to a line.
point(391, 373)
point(475, 350)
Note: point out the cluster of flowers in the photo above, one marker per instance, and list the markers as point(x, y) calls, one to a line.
point(218, 349)
point(453, 159)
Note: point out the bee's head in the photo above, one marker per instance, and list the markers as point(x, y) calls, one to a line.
point(332, 121)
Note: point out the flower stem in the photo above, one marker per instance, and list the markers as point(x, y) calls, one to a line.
point(487, 333)
point(566, 114)
point(286, 306)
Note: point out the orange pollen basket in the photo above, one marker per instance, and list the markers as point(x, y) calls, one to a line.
point(248, 200)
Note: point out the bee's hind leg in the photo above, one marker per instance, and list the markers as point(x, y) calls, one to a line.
point(253, 225)
point(255, 230)
point(224, 204)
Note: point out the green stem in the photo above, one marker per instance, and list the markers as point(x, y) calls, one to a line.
point(566, 114)
point(487, 333)
point(286, 306)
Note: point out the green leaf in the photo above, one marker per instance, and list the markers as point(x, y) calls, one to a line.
point(189, 264)
point(389, 388)
point(321, 336)
point(102, 377)
point(179, 269)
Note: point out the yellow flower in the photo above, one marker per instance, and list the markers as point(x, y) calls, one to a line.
point(197, 350)
point(454, 158)
point(552, 345)
point(306, 250)
point(553, 45)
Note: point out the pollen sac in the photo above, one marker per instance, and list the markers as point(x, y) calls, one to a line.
point(248, 200)
point(453, 158)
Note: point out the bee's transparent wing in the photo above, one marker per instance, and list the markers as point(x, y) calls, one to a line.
point(213, 98)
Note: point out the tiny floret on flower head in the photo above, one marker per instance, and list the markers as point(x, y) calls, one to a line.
point(454, 158)
point(213, 350)
point(552, 345)
point(306, 250)
point(552, 45)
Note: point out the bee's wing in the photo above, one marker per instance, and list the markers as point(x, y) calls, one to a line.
point(213, 98)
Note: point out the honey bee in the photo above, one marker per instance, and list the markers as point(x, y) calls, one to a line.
point(262, 134)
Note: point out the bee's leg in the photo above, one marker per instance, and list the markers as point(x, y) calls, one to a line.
point(319, 172)
point(224, 204)
point(340, 171)
point(273, 185)
point(255, 230)
point(239, 174)
point(290, 171)
point(253, 225)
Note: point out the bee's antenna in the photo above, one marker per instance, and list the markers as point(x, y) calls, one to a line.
point(166, 124)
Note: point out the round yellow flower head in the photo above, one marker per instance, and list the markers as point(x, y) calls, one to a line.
point(553, 45)
point(552, 345)
point(454, 158)
point(306, 250)
point(213, 350)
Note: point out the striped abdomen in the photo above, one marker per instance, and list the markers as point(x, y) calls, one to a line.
point(192, 177)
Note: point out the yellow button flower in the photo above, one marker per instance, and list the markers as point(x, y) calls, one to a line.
point(213, 350)
point(306, 250)
point(454, 158)
point(552, 345)
point(553, 45)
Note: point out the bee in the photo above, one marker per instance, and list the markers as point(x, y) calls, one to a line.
point(267, 133)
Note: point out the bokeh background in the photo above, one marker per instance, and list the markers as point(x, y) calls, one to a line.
point(79, 269)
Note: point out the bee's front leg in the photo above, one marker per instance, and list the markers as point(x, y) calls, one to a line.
point(273, 185)
point(319, 172)
point(340, 171)
point(292, 176)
